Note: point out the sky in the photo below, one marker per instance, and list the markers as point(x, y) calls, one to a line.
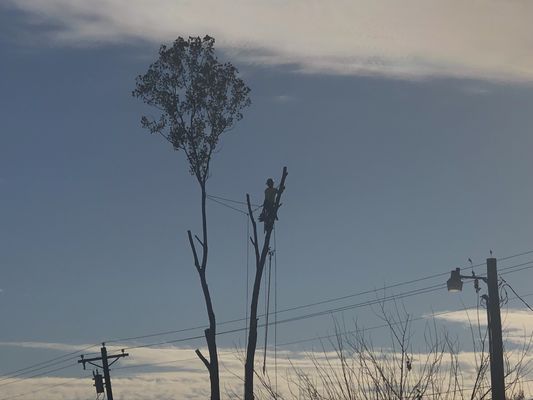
point(405, 128)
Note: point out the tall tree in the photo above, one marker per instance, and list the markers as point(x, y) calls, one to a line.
point(199, 98)
point(261, 252)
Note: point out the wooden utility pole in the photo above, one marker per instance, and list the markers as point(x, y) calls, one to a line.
point(104, 357)
point(495, 333)
point(455, 284)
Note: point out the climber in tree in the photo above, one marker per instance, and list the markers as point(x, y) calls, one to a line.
point(268, 204)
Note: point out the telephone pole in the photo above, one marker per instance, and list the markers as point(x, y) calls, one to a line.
point(455, 284)
point(104, 357)
point(495, 332)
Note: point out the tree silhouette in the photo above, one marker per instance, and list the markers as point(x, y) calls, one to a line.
point(260, 252)
point(199, 98)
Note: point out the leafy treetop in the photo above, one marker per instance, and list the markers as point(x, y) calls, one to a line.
point(199, 99)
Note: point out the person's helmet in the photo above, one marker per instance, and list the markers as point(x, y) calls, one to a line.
point(270, 182)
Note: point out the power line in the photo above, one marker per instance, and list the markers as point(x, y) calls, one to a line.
point(32, 392)
point(306, 316)
point(38, 375)
point(35, 369)
point(326, 301)
point(509, 269)
point(515, 269)
point(41, 389)
point(525, 253)
point(414, 292)
point(419, 318)
point(287, 320)
point(516, 294)
point(294, 308)
point(31, 368)
point(367, 303)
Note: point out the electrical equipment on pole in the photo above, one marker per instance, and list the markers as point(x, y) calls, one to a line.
point(98, 382)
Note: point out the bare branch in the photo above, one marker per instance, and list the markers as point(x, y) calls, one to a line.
point(204, 360)
point(254, 229)
point(194, 253)
point(199, 241)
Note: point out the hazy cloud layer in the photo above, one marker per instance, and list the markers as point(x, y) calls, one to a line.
point(176, 373)
point(412, 38)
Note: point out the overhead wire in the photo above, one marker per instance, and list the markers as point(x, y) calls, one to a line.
point(311, 315)
point(261, 315)
point(49, 363)
point(306, 316)
point(516, 294)
point(515, 268)
point(38, 375)
point(375, 327)
point(36, 369)
point(326, 301)
point(39, 390)
point(12, 374)
point(413, 319)
point(220, 200)
point(406, 294)
point(400, 296)
point(33, 391)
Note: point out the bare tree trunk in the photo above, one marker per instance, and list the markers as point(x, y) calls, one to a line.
point(260, 259)
point(210, 333)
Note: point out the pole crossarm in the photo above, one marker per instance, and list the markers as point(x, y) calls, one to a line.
point(84, 360)
point(105, 366)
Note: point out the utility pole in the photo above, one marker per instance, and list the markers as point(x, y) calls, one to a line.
point(104, 357)
point(495, 332)
point(494, 323)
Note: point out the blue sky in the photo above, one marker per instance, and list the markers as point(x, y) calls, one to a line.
point(392, 176)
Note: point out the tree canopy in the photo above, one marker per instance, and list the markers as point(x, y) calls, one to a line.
point(198, 97)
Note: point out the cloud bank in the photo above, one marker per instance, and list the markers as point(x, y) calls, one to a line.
point(489, 39)
point(176, 373)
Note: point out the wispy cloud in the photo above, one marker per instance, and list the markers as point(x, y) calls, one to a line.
point(409, 39)
point(517, 324)
point(45, 345)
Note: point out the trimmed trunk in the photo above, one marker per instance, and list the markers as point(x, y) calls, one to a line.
point(210, 333)
point(260, 259)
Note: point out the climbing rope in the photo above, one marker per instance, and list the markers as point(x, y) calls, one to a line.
point(275, 314)
point(267, 305)
point(223, 201)
point(247, 279)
